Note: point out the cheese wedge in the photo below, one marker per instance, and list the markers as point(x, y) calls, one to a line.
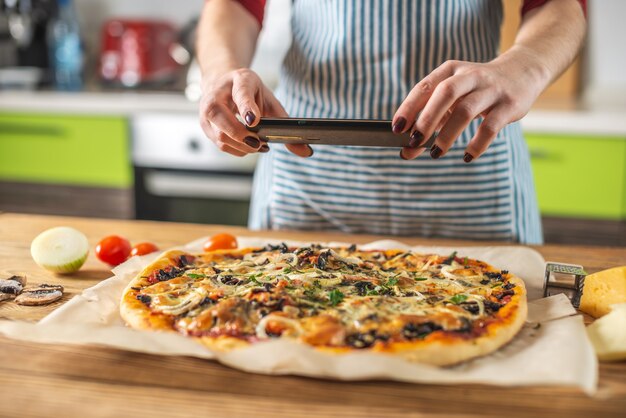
point(608, 334)
point(602, 290)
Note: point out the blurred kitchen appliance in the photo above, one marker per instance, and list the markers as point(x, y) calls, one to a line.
point(66, 48)
point(24, 42)
point(181, 176)
point(138, 52)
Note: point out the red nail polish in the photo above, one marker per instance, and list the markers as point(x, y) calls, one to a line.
point(311, 151)
point(264, 148)
point(435, 152)
point(468, 157)
point(252, 141)
point(249, 118)
point(416, 139)
point(397, 127)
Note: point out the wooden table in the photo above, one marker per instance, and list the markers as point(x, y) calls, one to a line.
point(54, 380)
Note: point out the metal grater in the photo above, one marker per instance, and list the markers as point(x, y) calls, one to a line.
point(568, 279)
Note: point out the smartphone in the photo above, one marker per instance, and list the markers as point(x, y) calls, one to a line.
point(359, 132)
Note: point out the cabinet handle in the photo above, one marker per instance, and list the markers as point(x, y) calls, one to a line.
point(206, 186)
point(31, 130)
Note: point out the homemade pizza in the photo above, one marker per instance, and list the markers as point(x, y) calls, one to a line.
point(427, 308)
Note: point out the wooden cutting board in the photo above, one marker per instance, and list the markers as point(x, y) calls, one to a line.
point(78, 381)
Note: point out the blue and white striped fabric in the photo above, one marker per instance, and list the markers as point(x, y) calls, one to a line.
point(359, 59)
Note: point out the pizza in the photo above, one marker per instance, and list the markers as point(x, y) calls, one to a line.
point(427, 308)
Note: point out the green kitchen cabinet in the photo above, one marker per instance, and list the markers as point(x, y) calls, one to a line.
point(579, 176)
point(72, 150)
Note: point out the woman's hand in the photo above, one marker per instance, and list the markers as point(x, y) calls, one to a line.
point(500, 91)
point(448, 99)
point(240, 92)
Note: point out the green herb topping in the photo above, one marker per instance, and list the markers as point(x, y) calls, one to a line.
point(456, 299)
point(196, 276)
point(336, 297)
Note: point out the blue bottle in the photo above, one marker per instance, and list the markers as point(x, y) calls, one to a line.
point(66, 54)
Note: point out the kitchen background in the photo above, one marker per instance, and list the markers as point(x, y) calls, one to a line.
point(124, 142)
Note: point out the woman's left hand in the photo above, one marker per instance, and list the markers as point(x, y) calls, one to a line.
point(449, 98)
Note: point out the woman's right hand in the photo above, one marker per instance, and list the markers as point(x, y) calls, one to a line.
point(240, 92)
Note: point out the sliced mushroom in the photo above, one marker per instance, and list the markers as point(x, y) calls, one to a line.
point(353, 261)
point(6, 296)
point(42, 295)
point(49, 286)
point(13, 285)
point(10, 287)
point(21, 279)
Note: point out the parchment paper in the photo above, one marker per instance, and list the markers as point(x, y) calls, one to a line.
point(551, 349)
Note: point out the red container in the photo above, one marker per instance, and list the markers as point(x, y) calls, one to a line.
point(137, 52)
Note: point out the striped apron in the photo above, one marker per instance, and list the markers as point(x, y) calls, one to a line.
point(359, 59)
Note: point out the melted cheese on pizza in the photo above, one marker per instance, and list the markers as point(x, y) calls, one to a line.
point(328, 296)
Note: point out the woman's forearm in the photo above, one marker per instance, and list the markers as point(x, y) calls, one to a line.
point(548, 40)
point(227, 35)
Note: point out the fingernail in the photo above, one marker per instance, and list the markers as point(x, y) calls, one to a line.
point(310, 151)
point(402, 155)
point(397, 127)
point(252, 141)
point(435, 152)
point(416, 139)
point(250, 118)
point(468, 157)
point(264, 148)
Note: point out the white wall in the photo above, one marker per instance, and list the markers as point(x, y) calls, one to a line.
point(177, 11)
point(605, 60)
point(274, 41)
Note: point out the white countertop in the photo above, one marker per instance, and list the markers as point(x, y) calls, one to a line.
point(95, 103)
point(599, 122)
point(604, 122)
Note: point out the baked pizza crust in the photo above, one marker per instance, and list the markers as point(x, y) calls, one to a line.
point(448, 350)
point(136, 314)
point(435, 349)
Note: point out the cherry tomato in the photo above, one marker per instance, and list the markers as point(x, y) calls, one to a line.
point(220, 242)
point(143, 248)
point(113, 250)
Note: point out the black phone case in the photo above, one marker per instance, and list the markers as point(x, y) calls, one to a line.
point(365, 133)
